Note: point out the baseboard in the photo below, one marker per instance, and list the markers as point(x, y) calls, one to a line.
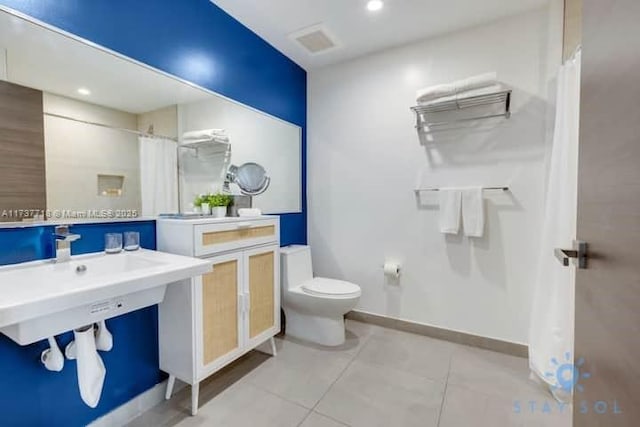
point(486, 343)
point(140, 404)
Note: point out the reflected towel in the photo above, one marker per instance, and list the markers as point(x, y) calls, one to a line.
point(473, 212)
point(450, 202)
point(204, 134)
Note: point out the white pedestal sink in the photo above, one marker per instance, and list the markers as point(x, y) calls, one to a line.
point(42, 299)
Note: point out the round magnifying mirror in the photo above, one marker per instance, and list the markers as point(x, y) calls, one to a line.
point(250, 177)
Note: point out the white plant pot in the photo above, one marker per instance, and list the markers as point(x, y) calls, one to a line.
point(219, 211)
point(205, 208)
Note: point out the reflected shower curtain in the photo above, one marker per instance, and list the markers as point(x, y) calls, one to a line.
point(158, 176)
point(552, 317)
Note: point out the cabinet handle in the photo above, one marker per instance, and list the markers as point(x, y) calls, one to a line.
point(243, 225)
point(247, 303)
point(241, 303)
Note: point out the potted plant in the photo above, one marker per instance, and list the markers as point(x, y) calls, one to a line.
point(201, 203)
point(219, 203)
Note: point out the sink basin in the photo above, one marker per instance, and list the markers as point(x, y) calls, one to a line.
point(42, 298)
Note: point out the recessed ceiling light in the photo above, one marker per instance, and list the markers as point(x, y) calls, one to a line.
point(84, 91)
point(375, 5)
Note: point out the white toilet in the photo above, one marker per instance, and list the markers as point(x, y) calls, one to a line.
point(314, 307)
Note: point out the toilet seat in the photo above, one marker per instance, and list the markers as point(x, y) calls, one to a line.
point(320, 286)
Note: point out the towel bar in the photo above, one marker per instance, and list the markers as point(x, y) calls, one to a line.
point(420, 190)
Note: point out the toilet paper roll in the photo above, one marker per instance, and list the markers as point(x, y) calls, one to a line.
point(91, 370)
point(391, 269)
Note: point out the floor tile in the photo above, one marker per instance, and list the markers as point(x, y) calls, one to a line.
point(493, 373)
point(162, 415)
point(366, 395)
point(463, 407)
point(317, 420)
point(244, 405)
point(356, 336)
point(416, 354)
point(299, 373)
point(380, 377)
point(173, 412)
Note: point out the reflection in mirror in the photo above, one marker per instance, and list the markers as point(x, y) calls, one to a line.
point(254, 137)
point(85, 130)
point(81, 156)
point(250, 177)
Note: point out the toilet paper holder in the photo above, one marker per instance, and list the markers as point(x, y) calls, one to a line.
point(391, 269)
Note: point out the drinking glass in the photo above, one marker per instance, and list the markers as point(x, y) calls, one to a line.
point(131, 241)
point(112, 243)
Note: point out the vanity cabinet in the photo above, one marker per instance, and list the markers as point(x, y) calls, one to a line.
point(209, 321)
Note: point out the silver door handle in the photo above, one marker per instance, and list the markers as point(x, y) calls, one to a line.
point(578, 254)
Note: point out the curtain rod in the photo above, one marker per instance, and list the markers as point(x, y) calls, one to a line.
point(135, 132)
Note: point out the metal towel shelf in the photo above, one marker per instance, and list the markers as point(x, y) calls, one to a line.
point(462, 103)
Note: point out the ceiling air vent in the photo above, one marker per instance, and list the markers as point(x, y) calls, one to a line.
point(315, 39)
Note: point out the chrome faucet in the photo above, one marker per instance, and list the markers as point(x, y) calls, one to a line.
point(63, 242)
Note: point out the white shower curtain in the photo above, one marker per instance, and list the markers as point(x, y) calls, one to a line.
point(158, 176)
point(552, 316)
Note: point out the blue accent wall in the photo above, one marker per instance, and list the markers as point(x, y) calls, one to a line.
point(196, 41)
point(32, 396)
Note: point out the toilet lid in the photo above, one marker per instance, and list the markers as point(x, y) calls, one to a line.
point(324, 287)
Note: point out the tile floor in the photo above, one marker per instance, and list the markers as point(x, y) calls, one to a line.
point(380, 377)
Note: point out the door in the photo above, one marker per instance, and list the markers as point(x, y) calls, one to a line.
point(607, 300)
point(262, 294)
point(220, 313)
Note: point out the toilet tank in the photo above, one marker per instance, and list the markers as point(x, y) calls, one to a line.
point(296, 265)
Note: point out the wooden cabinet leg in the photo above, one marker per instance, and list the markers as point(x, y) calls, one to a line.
point(170, 384)
point(195, 394)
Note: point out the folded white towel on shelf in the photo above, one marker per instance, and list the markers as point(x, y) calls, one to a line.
point(249, 212)
point(498, 87)
point(473, 212)
point(223, 139)
point(434, 92)
point(488, 90)
point(476, 82)
point(437, 92)
point(450, 202)
point(204, 134)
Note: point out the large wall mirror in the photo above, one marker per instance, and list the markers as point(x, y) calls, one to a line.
point(85, 132)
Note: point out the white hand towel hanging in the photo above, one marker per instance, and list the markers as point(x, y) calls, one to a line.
point(91, 370)
point(450, 201)
point(104, 339)
point(473, 212)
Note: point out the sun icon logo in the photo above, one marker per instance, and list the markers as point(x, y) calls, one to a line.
point(568, 374)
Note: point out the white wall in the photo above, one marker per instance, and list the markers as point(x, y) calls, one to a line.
point(255, 137)
point(77, 153)
point(364, 159)
point(164, 121)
